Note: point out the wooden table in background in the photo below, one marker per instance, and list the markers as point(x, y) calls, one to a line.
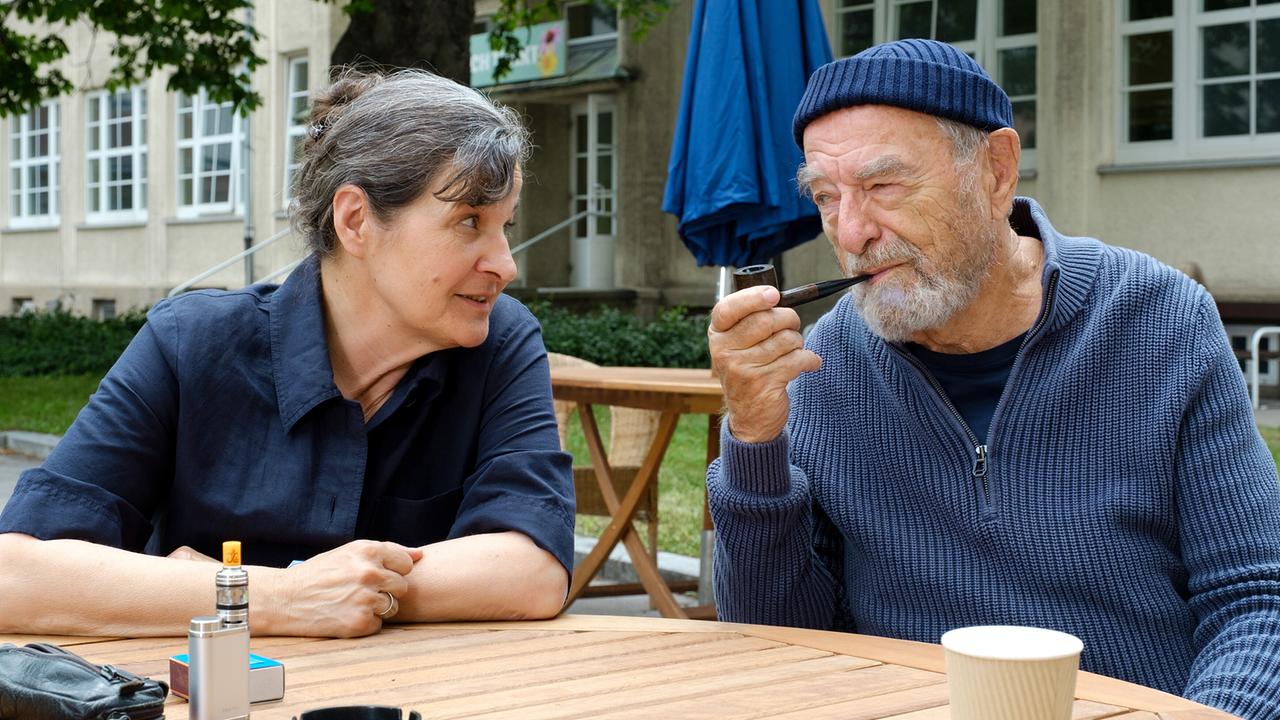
point(671, 391)
point(616, 667)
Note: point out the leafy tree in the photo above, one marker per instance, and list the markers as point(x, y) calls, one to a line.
point(209, 43)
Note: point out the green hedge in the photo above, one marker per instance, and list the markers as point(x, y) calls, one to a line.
point(610, 337)
point(59, 343)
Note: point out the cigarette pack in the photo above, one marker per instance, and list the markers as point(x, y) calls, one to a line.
point(266, 678)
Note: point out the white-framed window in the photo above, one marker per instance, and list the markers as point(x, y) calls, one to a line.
point(297, 107)
point(999, 34)
point(116, 156)
point(209, 140)
point(1198, 79)
point(33, 167)
point(590, 22)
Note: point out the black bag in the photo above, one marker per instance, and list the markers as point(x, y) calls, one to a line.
point(45, 682)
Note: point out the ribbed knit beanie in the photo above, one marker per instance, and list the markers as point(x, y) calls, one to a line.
point(923, 75)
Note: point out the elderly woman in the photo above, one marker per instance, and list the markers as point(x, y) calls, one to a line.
point(378, 431)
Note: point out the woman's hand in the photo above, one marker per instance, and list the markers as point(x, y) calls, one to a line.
point(335, 594)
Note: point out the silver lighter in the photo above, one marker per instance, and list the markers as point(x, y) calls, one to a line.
point(219, 675)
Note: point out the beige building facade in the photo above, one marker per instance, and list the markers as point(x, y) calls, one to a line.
point(1151, 124)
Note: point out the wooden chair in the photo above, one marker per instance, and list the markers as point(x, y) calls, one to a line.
point(631, 432)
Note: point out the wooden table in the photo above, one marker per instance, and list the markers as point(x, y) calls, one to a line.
point(614, 667)
point(671, 391)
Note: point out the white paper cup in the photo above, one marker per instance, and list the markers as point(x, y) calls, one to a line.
point(1005, 672)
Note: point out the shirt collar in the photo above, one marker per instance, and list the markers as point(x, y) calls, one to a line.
point(299, 349)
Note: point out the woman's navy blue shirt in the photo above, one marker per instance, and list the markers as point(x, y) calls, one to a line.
point(221, 421)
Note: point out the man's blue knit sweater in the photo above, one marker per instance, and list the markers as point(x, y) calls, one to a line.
point(1123, 495)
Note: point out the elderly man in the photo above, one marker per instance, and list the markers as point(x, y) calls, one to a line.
point(1004, 425)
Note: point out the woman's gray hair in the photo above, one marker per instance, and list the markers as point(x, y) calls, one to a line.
point(397, 136)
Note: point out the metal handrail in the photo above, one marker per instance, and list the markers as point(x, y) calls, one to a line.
point(283, 271)
point(1255, 343)
point(229, 262)
point(556, 228)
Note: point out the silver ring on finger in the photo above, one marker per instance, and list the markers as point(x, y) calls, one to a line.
point(393, 606)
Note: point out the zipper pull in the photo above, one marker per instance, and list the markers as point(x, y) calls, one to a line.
point(980, 462)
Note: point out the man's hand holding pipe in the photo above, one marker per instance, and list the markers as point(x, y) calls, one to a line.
point(756, 349)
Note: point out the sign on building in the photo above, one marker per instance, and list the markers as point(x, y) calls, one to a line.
point(542, 56)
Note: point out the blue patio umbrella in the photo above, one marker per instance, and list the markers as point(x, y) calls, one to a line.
point(731, 177)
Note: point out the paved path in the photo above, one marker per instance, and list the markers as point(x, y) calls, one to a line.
point(10, 467)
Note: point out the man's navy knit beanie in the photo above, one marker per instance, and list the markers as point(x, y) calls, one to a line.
point(923, 75)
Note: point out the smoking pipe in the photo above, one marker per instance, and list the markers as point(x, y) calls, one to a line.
point(753, 275)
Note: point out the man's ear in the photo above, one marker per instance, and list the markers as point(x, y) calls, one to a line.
point(352, 219)
point(1004, 152)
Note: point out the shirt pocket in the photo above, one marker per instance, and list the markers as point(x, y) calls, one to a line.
point(414, 522)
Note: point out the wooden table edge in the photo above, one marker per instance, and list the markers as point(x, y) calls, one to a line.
point(921, 656)
point(918, 655)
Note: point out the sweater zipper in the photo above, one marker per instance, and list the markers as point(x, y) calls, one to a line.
point(1026, 339)
point(980, 449)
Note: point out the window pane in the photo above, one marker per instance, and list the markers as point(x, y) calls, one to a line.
point(1018, 17)
point(1268, 106)
point(915, 20)
point(93, 109)
point(126, 168)
point(1210, 5)
point(126, 197)
point(207, 158)
point(95, 172)
point(1150, 115)
point(604, 128)
point(210, 121)
point(604, 171)
point(1151, 58)
point(298, 83)
point(580, 227)
point(113, 197)
point(224, 119)
point(958, 20)
point(299, 112)
point(221, 188)
point(126, 134)
point(184, 161)
point(185, 130)
point(184, 192)
point(94, 137)
point(1226, 50)
point(95, 202)
point(1018, 71)
point(1143, 9)
point(856, 32)
point(1226, 109)
point(582, 133)
point(581, 179)
point(591, 19)
point(1024, 121)
point(40, 203)
point(113, 169)
point(224, 156)
point(1269, 45)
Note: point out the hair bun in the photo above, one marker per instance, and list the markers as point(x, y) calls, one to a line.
point(329, 105)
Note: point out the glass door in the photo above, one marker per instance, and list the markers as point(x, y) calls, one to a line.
point(593, 177)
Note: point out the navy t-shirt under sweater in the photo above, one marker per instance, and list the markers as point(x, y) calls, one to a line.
point(972, 381)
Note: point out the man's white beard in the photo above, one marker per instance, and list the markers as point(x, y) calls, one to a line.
point(926, 293)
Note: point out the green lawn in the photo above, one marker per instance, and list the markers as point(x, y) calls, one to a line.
point(49, 404)
point(44, 404)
